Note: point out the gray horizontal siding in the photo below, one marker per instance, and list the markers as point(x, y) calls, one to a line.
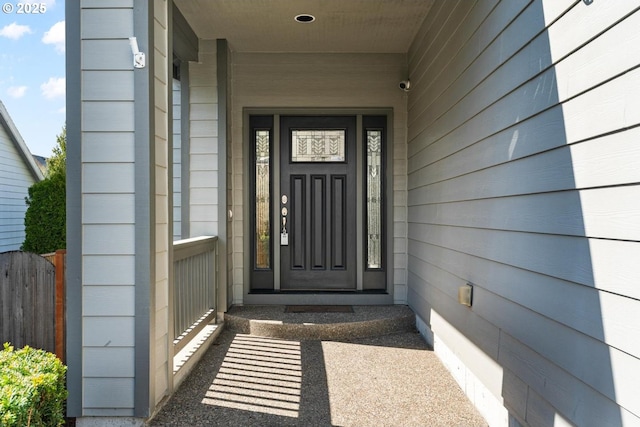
point(115, 208)
point(119, 397)
point(104, 239)
point(106, 54)
point(121, 117)
point(109, 363)
point(109, 177)
point(106, 23)
point(105, 331)
point(523, 180)
point(109, 270)
point(611, 213)
point(545, 379)
point(108, 147)
point(109, 299)
point(107, 214)
point(99, 4)
point(107, 86)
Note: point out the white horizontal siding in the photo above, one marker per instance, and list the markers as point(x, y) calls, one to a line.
point(161, 337)
point(523, 180)
point(203, 143)
point(177, 161)
point(15, 180)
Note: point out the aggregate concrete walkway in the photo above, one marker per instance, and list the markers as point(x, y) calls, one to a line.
point(388, 380)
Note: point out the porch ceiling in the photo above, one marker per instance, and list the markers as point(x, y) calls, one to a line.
point(369, 26)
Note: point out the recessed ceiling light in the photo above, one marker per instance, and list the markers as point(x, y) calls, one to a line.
point(305, 18)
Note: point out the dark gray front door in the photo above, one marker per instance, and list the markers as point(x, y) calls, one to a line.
point(318, 203)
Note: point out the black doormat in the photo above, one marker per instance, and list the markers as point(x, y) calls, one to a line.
point(318, 309)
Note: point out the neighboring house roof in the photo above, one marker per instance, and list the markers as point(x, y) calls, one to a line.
point(41, 162)
point(16, 138)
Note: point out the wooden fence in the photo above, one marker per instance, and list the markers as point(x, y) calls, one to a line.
point(32, 310)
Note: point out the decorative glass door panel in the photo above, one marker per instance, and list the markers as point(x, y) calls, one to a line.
point(374, 202)
point(318, 180)
point(262, 194)
point(317, 203)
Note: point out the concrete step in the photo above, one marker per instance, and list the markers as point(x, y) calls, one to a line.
point(274, 321)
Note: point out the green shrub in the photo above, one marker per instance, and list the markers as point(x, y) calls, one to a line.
point(45, 219)
point(32, 388)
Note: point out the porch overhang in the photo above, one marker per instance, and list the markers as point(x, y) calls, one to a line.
point(355, 26)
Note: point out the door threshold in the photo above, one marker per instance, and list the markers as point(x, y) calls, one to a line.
point(318, 309)
point(318, 298)
point(316, 292)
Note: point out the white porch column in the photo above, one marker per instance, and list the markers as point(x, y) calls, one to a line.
point(208, 154)
point(118, 211)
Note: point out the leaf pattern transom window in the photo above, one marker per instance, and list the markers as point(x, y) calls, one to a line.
point(318, 145)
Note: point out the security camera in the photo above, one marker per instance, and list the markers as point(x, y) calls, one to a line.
point(405, 85)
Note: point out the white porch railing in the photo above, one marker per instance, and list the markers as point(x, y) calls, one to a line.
point(195, 287)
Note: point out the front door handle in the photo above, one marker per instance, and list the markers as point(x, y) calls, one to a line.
point(284, 235)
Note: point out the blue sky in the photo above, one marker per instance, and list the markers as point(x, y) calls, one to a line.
point(32, 70)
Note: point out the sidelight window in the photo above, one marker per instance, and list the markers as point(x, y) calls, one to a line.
point(374, 198)
point(262, 200)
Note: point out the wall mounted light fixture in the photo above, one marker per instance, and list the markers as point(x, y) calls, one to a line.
point(465, 294)
point(138, 57)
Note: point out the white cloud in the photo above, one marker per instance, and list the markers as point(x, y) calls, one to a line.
point(15, 31)
point(55, 36)
point(49, 3)
point(17, 91)
point(53, 88)
point(62, 110)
